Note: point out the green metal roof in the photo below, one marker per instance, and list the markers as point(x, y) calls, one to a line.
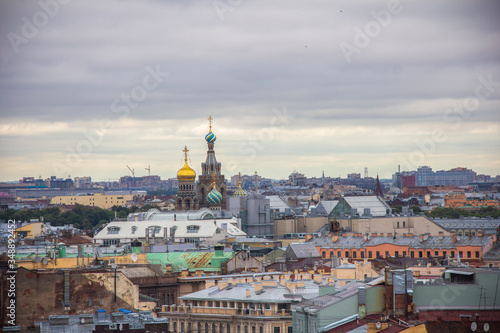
point(191, 260)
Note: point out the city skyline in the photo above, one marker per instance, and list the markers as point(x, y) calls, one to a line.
point(88, 88)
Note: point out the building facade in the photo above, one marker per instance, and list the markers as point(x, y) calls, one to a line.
point(454, 177)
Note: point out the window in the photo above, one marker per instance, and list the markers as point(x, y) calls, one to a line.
point(193, 229)
point(387, 254)
point(217, 304)
point(378, 254)
point(453, 254)
point(397, 225)
point(369, 254)
point(362, 254)
point(396, 254)
point(444, 253)
point(469, 254)
point(113, 230)
point(354, 255)
point(404, 253)
point(210, 303)
point(253, 329)
point(436, 253)
point(108, 242)
point(339, 255)
point(420, 254)
point(477, 254)
point(347, 254)
point(182, 327)
point(276, 329)
point(323, 254)
point(412, 254)
point(290, 329)
point(404, 224)
point(428, 254)
point(331, 254)
point(461, 254)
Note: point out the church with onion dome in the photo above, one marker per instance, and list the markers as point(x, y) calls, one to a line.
point(211, 189)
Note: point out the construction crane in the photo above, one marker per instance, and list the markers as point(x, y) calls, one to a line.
point(149, 170)
point(133, 174)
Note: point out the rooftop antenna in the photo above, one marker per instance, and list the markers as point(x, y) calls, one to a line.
point(149, 170)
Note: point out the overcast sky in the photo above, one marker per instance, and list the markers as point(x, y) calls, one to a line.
point(87, 87)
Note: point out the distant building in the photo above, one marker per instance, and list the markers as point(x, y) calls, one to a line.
point(100, 200)
point(372, 246)
point(297, 179)
point(469, 226)
point(358, 206)
point(459, 200)
point(155, 228)
point(83, 182)
point(454, 177)
point(255, 214)
point(252, 305)
point(354, 176)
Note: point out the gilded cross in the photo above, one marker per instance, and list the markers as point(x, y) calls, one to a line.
point(210, 122)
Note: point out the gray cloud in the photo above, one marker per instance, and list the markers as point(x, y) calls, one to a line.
point(262, 56)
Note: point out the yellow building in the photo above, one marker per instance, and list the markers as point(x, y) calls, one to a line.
point(30, 230)
point(100, 200)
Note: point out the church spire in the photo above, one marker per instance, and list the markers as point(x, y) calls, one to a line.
point(378, 189)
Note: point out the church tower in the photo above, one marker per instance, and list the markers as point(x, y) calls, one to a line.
point(211, 177)
point(186, 198)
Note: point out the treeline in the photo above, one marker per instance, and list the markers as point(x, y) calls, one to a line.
point(82, 217)
point(455, 213)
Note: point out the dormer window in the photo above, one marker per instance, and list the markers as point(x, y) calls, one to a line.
point(193, 229)
point(113, 230)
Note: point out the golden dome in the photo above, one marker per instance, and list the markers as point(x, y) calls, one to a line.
point(186, 173)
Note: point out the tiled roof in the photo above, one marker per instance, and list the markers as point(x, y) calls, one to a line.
point(304, 250)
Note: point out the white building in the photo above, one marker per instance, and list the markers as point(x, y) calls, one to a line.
point(154, 227)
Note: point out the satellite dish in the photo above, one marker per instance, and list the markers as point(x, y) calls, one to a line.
point(134, 257)
point(45, 261)
point(426, 237)
point(486, 327)
point(379, 325)
point(38, 259)
point(473, 326)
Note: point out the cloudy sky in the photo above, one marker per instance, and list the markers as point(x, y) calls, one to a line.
point(88, 87)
